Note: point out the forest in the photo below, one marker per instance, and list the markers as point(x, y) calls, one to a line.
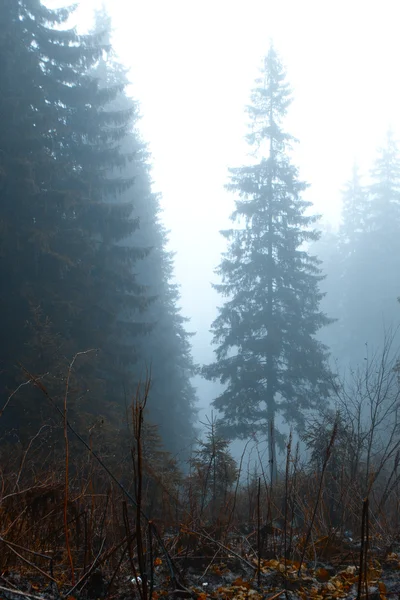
point(111, 483)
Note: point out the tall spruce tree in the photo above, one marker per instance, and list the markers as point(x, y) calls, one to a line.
point(268, 355)
point(369, 257)
point(355, 205)
point(363, 262)
point(165, 347)
point(339, 252)
point(383, 230)
point(350, 278)
point(63, 257)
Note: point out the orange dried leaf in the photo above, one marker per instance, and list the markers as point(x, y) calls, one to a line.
point(322, 574)
point(382, 587)
point(239, 582)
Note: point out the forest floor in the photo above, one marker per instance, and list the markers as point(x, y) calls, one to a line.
point(234, 579)
point(225, 577)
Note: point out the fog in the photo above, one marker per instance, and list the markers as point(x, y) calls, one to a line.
point(192, 66)
point(200, 296)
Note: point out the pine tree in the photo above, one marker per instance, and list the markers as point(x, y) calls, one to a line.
point(362, 281)
point(355, 205)
point(165, 347)
point(268, 355)
point(62, 247)
point(213, 472)
point(369, 251)
point(339, 252)
point(29, 196)
point(352, 273)
point(383, 229)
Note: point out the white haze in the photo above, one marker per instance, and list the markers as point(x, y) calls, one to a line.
point(192, 65)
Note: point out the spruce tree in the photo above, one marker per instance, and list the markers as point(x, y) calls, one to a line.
point(165, 347)
point(350, 279)
point(355, 204)
point(268, 355)
point(61, 212)
point(30, 198)
point(383, 229)
point(362, 262)
point(369, 251)
point(342, 262)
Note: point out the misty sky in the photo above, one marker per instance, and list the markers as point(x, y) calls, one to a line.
point(193, 64)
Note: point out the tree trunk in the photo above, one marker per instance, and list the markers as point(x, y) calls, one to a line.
point(273, 472)
point(270, 312)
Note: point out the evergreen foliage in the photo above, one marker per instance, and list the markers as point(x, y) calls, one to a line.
point(383, 242)
point(213, 471)
point(362, 261)
point(78, 219)
point(340, 253)
point(165, 348)
point(268, 355)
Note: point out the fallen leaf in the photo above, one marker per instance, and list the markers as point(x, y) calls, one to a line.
point(322, 574)
point(239, 582)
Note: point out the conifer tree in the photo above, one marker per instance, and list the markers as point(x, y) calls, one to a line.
point(213, 471)
point(30, 197)
point(384, 226)
point(268, 355)
point(369, 257)
point(355, 204)
point(350, 276)
point(62, 246)
point(339, 252)
point(165, 347)
point(363, 262)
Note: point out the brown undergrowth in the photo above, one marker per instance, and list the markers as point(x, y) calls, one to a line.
point(104, 515)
